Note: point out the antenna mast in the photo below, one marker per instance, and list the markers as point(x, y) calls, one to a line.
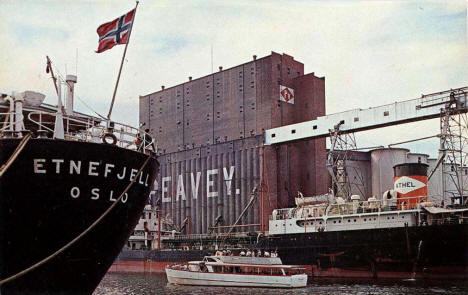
point(121, 64)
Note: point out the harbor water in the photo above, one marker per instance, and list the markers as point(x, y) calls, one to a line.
point(134, 284)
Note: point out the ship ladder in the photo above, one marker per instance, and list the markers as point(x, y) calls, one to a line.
point(72, 242)
point(15, 154)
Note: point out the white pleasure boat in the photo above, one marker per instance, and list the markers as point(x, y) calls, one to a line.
point(238, 271)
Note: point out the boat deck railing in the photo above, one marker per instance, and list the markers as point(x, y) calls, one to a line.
point(209, 236)
point(76, 128)
point(446, 220)
point(348, 208)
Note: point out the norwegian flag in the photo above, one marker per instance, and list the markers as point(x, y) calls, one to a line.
point(115, 32)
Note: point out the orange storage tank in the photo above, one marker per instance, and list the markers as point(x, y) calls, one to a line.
point(410, 182)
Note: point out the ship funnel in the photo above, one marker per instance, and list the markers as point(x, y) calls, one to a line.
point(410, 183)
point(71, 81)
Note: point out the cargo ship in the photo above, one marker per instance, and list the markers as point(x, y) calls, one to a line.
point(242, 142)
point(72, 188)
point(402, 235)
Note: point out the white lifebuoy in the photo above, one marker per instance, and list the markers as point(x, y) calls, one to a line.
point(109, 138)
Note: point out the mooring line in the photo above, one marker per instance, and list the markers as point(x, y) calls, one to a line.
point(15, 154)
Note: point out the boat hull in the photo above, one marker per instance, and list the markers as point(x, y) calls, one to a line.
point(181, 277)
point(436, 252)
point(54, 191)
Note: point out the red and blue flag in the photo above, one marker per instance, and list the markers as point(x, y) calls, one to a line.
point(115, 32)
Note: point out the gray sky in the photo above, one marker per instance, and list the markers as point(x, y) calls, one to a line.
point(371, 52)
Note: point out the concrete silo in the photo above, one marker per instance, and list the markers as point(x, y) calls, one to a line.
point(382, 162)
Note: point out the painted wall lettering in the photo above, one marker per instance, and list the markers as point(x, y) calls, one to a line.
point(164, 189)
point(210, 183)
point(228, 178)
point(180, 188)
point(195, 184)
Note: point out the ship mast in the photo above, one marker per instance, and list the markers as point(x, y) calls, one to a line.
point(59, 132)
point(121, 66)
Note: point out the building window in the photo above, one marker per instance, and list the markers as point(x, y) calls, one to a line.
point(386, 113)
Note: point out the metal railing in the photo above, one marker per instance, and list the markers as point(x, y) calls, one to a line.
point(446, 220)
point(209, 236)
point(6, 124)
point(337, 209)
point(86, 129)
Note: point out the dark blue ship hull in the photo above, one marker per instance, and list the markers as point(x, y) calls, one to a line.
point(52, 192)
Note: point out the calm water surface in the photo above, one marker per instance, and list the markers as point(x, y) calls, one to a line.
point(118, 284)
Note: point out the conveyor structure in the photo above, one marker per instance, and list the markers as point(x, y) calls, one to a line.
point(426, 107)
point(450, 106)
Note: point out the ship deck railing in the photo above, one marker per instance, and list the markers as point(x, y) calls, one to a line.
point(326, 210)
point(77, 127)
point(7, 124)
point(446, 220)
point(218, 236)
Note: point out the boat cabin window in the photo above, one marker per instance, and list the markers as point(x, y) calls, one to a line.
point(294, 271)
point(194, 267)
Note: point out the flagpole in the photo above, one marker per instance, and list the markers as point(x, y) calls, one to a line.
point(121, 64)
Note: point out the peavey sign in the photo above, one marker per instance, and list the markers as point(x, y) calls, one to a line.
point(405, 185)
point(194, 185)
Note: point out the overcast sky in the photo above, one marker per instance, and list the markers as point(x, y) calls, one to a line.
point(371, 52)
